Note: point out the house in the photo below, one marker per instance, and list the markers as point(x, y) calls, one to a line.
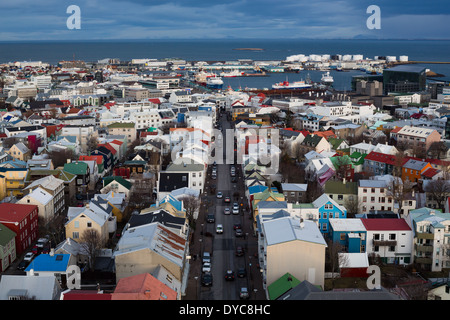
point(292, 246)
point(50, 264)
point(350, 234)
point(146, 248)
point(196, 173)
point(282, 285)
point(43, 287)
point(142, 287)
point(374, 195)
point(431, 233)
point(390, 239)
point(90, 217)
point(117, 185)
point(20, 152)
point(12, 182)
point(314, 142)
point(294, 192)
point(43, 200)
point(118, 202)
point(7, 247)
point(83, 175)
point(413, 169)
point(22, 219)
point(328, 209)
point(267, 195)
point(417, 138)
point(343, 192)
point(124, 128)
point(353, 265)
point(379, 163)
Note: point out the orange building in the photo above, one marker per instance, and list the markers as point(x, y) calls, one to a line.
point(413, 169)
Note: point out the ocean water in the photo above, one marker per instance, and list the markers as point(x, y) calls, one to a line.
point(223, 50)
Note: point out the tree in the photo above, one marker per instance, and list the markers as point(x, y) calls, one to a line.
point(334, 259)
point(436, 149)
point(352, 205)
point(439, 190)
point(91, 243)
point(191, 204)
point(59, 157)
point(92, 143)
point(399, 190)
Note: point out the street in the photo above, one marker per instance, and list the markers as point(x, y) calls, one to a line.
point(223, 246)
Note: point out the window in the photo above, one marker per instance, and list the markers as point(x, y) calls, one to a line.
point(343, 236)
point(76, 224)
point(392, 236)
point(76, 235)
point(376, 236)
point(89, 224)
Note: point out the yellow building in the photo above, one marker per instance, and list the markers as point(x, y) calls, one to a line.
point(12, 182)
point(267, 195)
point(20, 151)
point(82, 219)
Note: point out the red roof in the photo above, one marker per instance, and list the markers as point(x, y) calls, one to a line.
point(12, 212)
point(109, 147)
point(117, 142)
point(385, 224)
point(381, 157)
point(98, 159)
point(395, 130)
point(430, 172)
point(155, 101)
point(86, 295)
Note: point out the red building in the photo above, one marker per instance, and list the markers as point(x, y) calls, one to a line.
point(23, 220)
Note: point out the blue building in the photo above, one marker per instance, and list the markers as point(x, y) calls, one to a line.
point(328, 209)
point(351, 234)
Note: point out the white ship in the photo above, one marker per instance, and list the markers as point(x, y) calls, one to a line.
point(291, 85)
point(201, 77)
point(327, 78)
point(214, 82)
point(232, 74)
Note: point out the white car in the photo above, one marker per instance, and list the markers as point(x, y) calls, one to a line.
point(219, 195)
point(219, 228)
point(206, 267)
point(28, 256)
point(226, 210)
point(235, 208)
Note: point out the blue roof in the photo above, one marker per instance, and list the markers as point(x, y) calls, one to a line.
point(257, 189)
point(46, 262)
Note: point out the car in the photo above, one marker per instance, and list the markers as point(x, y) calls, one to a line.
point(233, 179)
point(36, 250)
point(210, 218)
point(226, 210)
point(214, 177)
point(235, 208)
point(22, 265)
point(243, 293)
point(41, 242)
point(242, 272)
point(219, 228)
point(206, 267)
point(239, 251)
point(237, 226)
point(206, 257)
point(219, 195)
point(238, 233)
point(207, 279)
point(229, 275)
point(227, 199)
point(28, 256)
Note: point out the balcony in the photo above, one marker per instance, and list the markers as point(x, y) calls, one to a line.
point(423, 248)
point(384, 243)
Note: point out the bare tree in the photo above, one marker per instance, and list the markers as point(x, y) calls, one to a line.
point(59, 157)
point(399, 191)
point(334, 258)
point(439, 190)
point(91, 243)
point(353, 206)
point(191, 204)
point(92, 143)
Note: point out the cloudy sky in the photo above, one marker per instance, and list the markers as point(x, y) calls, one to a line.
point(220, 19)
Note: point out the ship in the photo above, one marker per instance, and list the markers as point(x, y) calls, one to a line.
point(291, 85)
point(201, 77)
point(232, 74)
point(327, 78)
point(214, 82)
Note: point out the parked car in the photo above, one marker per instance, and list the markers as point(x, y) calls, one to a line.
point(210, 218)
point(235, 208)
point(206, 257)
point(226, 210)
point(42, 242)
point(219, 228)
point(229, 275)
point(28, 256)
point(35, 250)
point(23, 265)
point(239, 251)
point(206, 267)
point(207, 279)
point(243, 294)
point(233, 179)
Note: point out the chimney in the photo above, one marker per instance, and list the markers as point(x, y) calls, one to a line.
point(52, 252)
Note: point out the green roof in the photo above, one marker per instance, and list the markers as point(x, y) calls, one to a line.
point(121, 125)
point(5, 235)
point(76, 167)
point(335, 142)
point(107, 180)
point(282, 285)
point(58, 173)
point(339, 187)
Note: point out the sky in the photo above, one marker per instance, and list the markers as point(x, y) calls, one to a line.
point(23, 20)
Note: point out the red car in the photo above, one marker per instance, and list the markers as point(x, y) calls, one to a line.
point(227, 199)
